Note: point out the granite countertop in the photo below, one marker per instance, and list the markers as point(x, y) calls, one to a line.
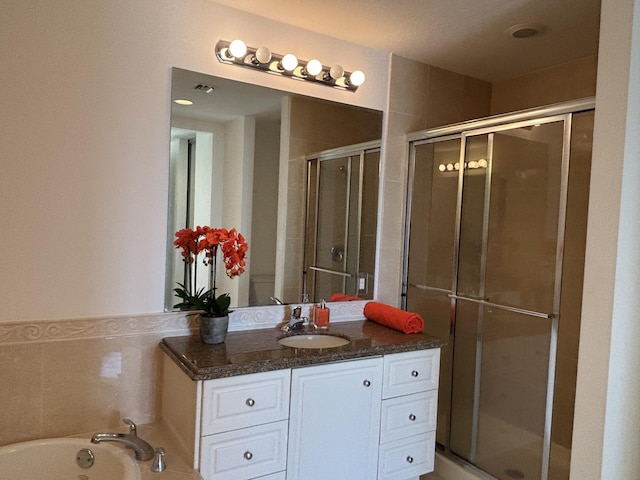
point(253, 351)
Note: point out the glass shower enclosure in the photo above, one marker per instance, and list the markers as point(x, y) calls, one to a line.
point(496, 227)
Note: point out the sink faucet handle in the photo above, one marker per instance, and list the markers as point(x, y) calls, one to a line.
point(133, 430)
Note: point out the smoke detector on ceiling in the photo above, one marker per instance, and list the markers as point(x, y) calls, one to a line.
point(524, 30)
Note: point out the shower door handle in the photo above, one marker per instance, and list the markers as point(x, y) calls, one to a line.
point(479, 301)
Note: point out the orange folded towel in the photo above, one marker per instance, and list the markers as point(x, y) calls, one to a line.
point(341, 297)
point(392, 317)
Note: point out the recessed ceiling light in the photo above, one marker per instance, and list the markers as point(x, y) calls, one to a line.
point(183, 102)
point(523, 30)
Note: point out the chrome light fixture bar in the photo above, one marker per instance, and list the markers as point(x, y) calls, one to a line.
point(237, 52)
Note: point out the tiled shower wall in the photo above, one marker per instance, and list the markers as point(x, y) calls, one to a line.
point(63, 377)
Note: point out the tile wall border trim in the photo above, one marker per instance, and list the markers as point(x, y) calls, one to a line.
point(167, 324)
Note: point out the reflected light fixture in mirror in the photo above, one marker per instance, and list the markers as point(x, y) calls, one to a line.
point(237, 52)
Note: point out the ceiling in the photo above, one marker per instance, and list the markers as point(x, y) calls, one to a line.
point(465, 36)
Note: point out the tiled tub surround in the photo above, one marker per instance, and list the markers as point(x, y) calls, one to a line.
point(63, 377)
point(106, 368)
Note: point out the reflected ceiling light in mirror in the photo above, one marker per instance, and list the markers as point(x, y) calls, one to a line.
point(183, 102)
point(262, 58)
point(472, 165)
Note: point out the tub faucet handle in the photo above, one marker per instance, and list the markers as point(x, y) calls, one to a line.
point(133, 430)
point(158, 465)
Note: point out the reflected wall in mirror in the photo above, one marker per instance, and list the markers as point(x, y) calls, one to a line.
point(238, 159)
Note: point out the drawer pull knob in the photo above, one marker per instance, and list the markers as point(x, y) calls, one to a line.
point(248, 455)
point(412, 417)
point(414, 373)
point(250, 402)
point(366, 383)
point(410, 459)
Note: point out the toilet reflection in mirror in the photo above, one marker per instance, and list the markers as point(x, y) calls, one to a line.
point(242, 157)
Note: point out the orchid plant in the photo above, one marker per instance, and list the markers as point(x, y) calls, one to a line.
point(206, 240)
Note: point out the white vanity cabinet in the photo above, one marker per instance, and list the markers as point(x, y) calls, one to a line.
point(233, 428)
point(335, 421)
point(409, 414)
point(355, 419)
point(244, 425)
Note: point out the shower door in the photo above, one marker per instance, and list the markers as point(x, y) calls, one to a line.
point(486, 237)
point(508, 279)
point(341, 224)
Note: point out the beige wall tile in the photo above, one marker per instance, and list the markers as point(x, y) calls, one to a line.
point(568, 81)
point(21, 413)
point(65, 387)
point(409, 87)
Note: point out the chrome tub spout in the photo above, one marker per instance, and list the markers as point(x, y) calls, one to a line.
point(142, 449)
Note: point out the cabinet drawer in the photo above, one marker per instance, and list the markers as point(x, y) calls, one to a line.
point(407, 458)
point(410, 372)
point(245, 454)
point(274, 476)
point(408, 415)
point(244, 401)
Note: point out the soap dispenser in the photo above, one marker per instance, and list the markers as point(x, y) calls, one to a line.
point(321, 315)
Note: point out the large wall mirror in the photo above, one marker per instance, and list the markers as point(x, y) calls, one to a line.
point(295, 175)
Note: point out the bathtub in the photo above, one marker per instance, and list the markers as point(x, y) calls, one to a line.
point(55, 459)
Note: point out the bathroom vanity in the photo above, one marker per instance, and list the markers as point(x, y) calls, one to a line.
point(252, 408)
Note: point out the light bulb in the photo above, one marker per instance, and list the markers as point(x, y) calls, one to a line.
point(356, 78)
point(314, 67)
point(263, 55)
point(442, 167)
point(482, 163)
point(449, 167)
point(289, 62)
point(336, 72)
point(237, 49)
point(183, 102)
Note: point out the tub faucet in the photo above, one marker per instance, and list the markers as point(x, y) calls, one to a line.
point(142, 449)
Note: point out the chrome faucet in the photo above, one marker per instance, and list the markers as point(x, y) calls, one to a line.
point(295, 322)
point(276, 300)
point(142, 449)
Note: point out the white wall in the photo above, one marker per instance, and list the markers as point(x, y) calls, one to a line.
point(85, 90)
point(606, 438)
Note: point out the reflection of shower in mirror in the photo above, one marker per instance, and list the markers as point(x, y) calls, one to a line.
point(341, 221)
point(337, 253)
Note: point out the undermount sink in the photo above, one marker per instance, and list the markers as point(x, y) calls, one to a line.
point(313, 340)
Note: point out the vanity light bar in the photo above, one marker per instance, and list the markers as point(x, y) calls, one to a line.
point(450, 167)
point(238, 53)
